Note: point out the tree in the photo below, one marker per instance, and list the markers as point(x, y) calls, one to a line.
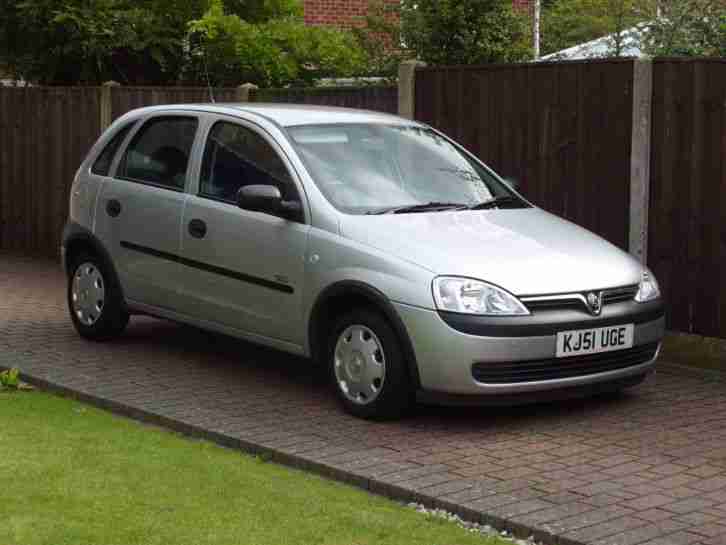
point(275, 53)
point(624, 17)
point(719, 50)
point(380, 38)
point(567, 23)
point(658, 27)
point(464, 31)
point(10, 50)
point(685, 27)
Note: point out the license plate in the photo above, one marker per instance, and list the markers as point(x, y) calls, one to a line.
point(594, 341)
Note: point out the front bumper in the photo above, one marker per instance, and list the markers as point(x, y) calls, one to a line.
point(445, 355)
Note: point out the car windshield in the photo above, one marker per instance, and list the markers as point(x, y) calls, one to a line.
point(377, 168)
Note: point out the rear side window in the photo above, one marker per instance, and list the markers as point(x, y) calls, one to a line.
point(159, 152)
point(102, 165)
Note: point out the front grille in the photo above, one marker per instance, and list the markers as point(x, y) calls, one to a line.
point(617, 295)
point(577, 300)
point(558, 368)
point(554, 304)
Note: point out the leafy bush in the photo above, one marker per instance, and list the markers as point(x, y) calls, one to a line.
point(91, 41)
point(276, 53)
point(65, 42)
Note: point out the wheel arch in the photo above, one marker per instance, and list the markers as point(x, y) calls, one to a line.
point(346, 294)
point(76, 239)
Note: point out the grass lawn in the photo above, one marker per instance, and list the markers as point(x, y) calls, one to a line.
point(72, 474)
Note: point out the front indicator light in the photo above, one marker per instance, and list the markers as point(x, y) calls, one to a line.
point(648, 290)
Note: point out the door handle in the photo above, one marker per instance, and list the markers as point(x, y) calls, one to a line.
point(113, 208)
point(197, 228)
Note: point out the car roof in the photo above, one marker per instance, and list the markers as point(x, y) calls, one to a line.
point(288, 115)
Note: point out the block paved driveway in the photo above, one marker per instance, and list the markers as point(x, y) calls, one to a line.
point(647, 467)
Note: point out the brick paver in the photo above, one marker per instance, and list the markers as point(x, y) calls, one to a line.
point(648, 467)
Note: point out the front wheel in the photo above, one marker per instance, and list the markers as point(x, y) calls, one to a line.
point(94, 300)
point(367, 366)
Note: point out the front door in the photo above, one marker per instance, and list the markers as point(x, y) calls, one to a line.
point(139, 210)
point(243, 269)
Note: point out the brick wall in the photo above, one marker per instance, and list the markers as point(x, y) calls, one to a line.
point(340, 13)
point(524, 5)
point(347, 13)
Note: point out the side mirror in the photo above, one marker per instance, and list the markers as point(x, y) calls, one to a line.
point(268, 200)
point(512, 183)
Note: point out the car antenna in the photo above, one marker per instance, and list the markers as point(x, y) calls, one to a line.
point(206, 74)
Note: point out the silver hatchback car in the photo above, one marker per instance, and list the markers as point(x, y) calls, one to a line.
point(369, 243)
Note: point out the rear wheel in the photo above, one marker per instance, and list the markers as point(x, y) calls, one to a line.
point(367, 366)
point(94, 300)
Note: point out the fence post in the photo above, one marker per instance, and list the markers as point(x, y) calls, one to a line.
point(640, 158)
point(244, 91)
point(105, 104)
point(407, 88)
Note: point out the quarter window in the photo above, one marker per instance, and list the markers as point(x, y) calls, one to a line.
point(159, 152)
point(236, 156)
point(102, 166)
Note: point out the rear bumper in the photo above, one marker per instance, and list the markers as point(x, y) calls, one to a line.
point(446, 356)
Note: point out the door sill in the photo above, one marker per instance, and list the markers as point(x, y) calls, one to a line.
point(167, 314)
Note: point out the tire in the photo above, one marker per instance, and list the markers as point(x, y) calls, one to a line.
point(367, 366)
point(94, 299)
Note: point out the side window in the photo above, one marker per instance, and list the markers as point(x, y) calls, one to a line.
point(159, 152)
point(236, 156)
point(102, 165)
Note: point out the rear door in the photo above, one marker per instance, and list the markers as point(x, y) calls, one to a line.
point(243, 269)
point(139, 210)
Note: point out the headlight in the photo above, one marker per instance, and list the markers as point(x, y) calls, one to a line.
point(648, 288)
point(457, 294)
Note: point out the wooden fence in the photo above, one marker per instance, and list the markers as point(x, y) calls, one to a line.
point(566, 131)
point(125, 99)
point(44, 134)
point(562, 130)
point(687, 235)
point(383, 99)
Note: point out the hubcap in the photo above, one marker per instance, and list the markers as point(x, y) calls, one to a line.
point(88, 293)
point(360, 364)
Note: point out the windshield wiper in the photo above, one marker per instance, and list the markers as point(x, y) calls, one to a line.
point(491, 203)
point(425, 207)
point(435, 206)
